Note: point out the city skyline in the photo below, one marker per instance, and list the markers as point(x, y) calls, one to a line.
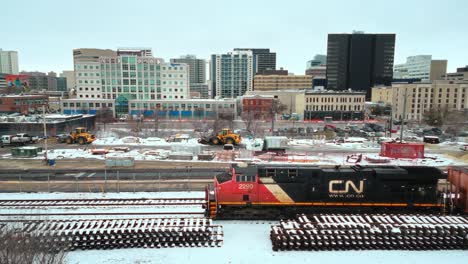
point(45, 43)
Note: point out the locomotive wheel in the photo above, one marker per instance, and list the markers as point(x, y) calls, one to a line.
point(69, 140)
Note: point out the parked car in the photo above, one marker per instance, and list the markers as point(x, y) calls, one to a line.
point(432, 132)
point(27, 138)
point(431, 139)
point(61, 138)
point(398, 122)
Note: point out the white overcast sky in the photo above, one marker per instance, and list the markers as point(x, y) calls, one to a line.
point(45, 32)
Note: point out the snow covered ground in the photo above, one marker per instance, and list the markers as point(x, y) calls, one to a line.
point(349, 143)
point(131, 210)
point(121, 195)
point(244, 242)
point(249, 242)
point(314, 157)
point(134, 210)
point(137, 141)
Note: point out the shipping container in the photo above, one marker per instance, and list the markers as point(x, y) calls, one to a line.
point(402, 150)
point(24, 152)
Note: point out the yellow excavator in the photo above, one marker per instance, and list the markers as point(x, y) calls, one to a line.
point(225, 136)
point(80, 136)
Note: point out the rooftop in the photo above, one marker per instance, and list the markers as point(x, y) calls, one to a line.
point(22, 96)
point(50, 118)
point(326, 92)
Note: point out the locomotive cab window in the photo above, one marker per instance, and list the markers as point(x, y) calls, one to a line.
point(245, 178)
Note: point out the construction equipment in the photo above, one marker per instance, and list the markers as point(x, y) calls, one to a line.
point(80, 136)
point(226, 136)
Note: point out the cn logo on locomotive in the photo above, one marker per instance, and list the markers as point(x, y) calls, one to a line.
point(333, 188)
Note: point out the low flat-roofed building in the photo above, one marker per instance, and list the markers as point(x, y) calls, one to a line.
point(292, 99)
point(460, 75)
point(33, 124)
point(335, 105)
point(86, 106)
point(23, 104)
point(184, 108)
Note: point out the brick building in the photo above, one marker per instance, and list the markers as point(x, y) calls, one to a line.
point(24, 104)
point(256, 106)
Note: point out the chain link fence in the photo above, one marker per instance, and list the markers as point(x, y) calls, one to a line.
point(106, 181)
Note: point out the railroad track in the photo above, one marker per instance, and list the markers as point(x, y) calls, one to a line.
point(122, 233)
point(102, 202)
point(357, 232)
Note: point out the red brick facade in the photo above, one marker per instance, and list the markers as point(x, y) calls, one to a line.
point(23, 103)
point(256, 107)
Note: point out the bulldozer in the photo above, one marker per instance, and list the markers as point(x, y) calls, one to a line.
point(225, 136)
point(80, 136)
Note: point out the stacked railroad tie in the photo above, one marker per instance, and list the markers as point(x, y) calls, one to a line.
point(123, 233)
point(354, 232)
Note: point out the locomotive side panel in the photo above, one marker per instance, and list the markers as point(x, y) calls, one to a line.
point(297, 188)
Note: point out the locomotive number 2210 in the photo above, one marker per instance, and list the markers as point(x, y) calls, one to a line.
point(245, 186)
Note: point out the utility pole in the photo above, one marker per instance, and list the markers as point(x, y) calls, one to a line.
point(45, 132)
point(403, 116)
point(105, 179)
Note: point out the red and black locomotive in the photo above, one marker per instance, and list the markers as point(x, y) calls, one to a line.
point(272, 191)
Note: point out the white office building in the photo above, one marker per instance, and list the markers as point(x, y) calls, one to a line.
point(129, 73)
point(231, 74)
point(9, 62)
point(420, 67)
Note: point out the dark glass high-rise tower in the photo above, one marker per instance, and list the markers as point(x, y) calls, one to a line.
point(359, 61)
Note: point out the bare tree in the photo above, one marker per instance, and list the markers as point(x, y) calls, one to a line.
point(455, 122)
point(156, 121)
point(435, 117)
point(19, 247)
point(251, 119)
point(377, 110)
point(248, 117)
point(276, 108)
point(105, 116)
point(225, 120)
